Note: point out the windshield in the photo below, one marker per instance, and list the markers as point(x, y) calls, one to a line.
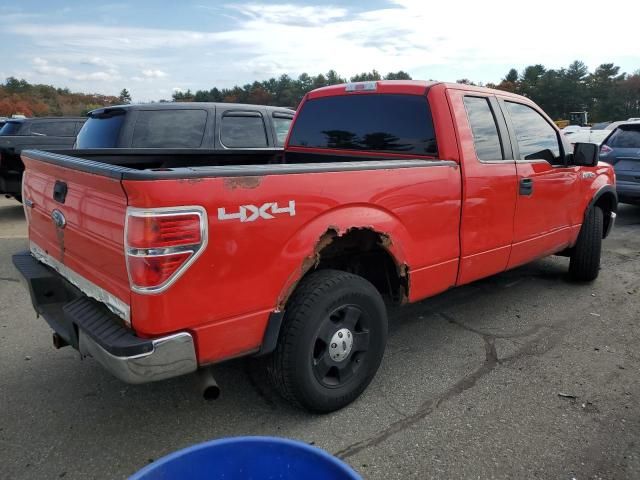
point(386, 123)
point(101, 131)
point(11, 128)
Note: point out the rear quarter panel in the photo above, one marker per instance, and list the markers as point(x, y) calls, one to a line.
point(248, 268)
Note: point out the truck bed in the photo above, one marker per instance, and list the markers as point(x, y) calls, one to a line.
point(157, 164)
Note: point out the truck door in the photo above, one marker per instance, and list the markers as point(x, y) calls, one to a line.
point(547, 189)
point(489, 185)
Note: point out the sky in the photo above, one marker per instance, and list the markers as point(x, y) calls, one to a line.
point(154, 48)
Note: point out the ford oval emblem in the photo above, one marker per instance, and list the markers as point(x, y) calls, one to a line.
point(58, 218)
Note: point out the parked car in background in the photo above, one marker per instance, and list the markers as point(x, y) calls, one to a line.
point(18, 134)
point(622, 150)
point(587, 135)
point(203, 126)
point(396, 190)
point(3, 120)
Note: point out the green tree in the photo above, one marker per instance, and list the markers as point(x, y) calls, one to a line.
point(125, 96)
point(512, 76)
point(366, 76)
point(399, 75)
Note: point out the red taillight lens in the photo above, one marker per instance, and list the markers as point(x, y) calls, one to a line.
point(163, 231)
point(604, 149)
point(148, 271)
point(161, 244)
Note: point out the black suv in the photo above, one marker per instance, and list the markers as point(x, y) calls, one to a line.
point(18, 134)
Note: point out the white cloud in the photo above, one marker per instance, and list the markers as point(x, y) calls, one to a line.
point(259, 40)
point(100, 76)
point(43, 67)
point(98, 61)
point(151, 73)
point(290, 14)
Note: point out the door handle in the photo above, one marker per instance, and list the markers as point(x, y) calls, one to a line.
point(526, 186)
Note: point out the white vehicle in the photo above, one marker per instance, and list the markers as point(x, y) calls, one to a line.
point(588, 136)
point(571, 129)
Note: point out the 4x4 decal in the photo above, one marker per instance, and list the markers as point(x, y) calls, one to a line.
point(251, 213)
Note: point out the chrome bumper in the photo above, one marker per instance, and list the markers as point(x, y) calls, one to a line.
point(171, 356)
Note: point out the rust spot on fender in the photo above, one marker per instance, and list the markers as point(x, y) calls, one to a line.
point(190, 180)
point(242, 182)
point(308, 263)
point(403, 272)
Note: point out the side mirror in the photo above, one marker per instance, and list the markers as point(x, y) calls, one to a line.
point(586, 154)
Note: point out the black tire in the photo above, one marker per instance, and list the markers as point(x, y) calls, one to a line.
point(303, 368)
point(585, 257)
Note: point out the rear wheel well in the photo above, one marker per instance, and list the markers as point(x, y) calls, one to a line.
point(364, 252)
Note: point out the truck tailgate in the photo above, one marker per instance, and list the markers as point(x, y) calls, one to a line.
point(76, 224)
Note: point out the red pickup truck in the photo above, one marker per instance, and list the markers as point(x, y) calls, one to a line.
point(388, 191)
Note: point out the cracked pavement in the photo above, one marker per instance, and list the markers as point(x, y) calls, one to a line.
point(522, 375)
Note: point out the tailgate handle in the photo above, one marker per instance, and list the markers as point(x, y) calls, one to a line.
point(60, 191)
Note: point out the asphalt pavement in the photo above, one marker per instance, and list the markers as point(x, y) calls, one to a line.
point(522, 375)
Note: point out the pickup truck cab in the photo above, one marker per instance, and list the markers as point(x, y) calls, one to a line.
point(389, 190)
point(19, 134)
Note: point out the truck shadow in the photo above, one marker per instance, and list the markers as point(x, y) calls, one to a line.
point(11, 210)
point(628, 215)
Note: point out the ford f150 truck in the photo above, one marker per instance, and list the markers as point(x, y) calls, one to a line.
point(389, 190)
point(20, 134)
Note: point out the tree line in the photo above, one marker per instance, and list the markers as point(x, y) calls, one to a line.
point(283, 91)
point(37, 100)
point(606, 93)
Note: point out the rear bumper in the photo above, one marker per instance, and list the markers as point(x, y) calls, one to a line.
point(90, 327)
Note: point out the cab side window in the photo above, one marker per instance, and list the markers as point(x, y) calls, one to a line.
point(243, 130)
point(171, 128)
point(54, 129)
point(483, 126)
point(537, 140)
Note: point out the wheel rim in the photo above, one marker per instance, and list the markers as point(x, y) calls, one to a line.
point(340, 346)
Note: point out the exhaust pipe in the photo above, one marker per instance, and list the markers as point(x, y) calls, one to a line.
point(207, 385)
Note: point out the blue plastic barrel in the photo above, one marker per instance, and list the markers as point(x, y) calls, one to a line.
point(248, 458)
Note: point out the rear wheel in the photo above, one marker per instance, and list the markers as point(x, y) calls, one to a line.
point(585, 258)
point(332, 341)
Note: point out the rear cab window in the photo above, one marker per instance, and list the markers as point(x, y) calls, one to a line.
point(625, 136)
point(393, 123)
point(243, 129)
point(102, 129)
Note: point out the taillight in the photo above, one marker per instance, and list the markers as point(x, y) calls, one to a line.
point(605, 149)
point(161, 243)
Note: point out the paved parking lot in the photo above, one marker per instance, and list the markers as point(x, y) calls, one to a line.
point(469, 388)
